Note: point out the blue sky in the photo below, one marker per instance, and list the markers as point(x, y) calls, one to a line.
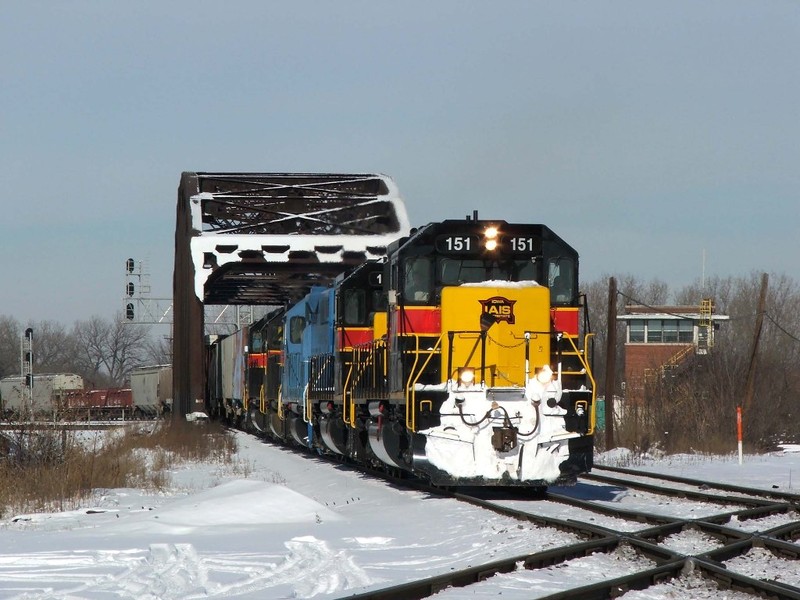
point(647, 134)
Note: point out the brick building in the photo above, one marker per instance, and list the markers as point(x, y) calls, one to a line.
point(658, 338)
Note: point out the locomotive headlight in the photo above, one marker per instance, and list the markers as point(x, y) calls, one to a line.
point(466, 375)
point(490, 237)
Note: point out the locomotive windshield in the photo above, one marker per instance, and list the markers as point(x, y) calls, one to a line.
point(455, 271)
point(424, 276)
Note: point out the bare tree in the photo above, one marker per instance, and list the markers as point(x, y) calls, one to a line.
point(109, 350)
point(54, 348)
point(693, 405)
point(158, 350)
point(10, 331)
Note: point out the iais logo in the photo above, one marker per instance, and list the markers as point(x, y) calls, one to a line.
point(499, 308)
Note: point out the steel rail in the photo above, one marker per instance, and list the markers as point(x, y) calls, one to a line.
point(671, 565)
point(787, 496)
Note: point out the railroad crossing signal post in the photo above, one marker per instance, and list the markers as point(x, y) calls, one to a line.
point(26, 370)
point(139, 307)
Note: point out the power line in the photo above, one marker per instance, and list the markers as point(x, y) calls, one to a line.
point(774, 322)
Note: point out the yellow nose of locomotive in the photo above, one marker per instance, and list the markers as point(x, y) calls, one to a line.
point(513, 317)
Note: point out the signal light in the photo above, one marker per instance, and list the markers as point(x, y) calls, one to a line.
point(129, 314)
point(129, 265)
point(29, 380)
point(129, 288)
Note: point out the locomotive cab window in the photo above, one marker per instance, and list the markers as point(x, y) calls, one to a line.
point(418, 283)
point(296, 327)
point(323, 310)
point(275, 337)
point(561, 280)
point(379, 301)
point(257, 343)
point(455, 271)
point(355, 307)
point(525, 270)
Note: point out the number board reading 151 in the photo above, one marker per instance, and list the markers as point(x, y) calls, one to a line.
point(471, 244)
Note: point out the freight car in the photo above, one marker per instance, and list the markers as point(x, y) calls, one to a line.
point(152, 390)
point(149, 396)
point(48, 394)
point(463, 358)
point(100, 404)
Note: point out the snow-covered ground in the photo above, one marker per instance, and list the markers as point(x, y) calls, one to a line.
point(283, 525)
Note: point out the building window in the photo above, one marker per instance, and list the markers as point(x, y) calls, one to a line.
point(669, 332)
point(636, 332)
point(653, 331)
point(686, 332)
point(658, 331)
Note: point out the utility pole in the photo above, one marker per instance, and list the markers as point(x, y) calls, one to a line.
point(611, 361)
point(749, 387)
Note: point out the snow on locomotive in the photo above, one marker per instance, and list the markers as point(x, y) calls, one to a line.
point(462, 357)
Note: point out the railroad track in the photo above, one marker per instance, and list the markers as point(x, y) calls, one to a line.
point(16, 426)
point(695, 540)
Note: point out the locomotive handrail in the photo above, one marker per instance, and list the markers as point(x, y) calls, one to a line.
point(581, 357)
point(348, 406)
point(413, 378)
point(321, 368)
point(590, 375)
point(580, 354)
point(280, 403)
point(359, 365)
point(451, 336)
point(307, 412)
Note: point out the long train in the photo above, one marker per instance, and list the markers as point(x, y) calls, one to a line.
point(463, 357)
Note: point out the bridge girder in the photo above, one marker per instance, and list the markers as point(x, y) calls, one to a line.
point(266, 238)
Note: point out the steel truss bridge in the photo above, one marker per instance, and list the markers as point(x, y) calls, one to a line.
point(265, 239)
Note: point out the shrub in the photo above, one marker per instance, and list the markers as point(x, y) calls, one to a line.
point(57, 469)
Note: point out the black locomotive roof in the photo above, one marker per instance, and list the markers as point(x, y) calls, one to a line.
point(426, 234)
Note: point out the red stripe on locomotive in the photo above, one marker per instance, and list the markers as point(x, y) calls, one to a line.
point(354, 336)
point(422, 320)
point(259, 359)
point(565, 320)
